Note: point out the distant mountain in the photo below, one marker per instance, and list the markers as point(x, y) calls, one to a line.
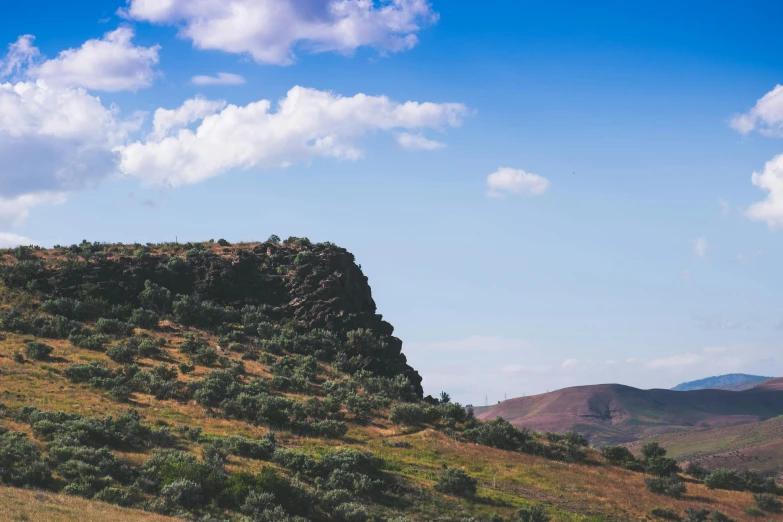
point(732, 381)
point(612, 413)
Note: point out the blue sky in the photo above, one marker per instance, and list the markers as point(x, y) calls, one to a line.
point(573, 204)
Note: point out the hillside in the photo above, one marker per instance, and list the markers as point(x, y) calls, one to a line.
point(257, 383)
point(613, 413)
point(758, 445)
point(732, 381)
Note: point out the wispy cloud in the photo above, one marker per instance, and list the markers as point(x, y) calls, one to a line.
point(700, 246)
point(221, 78)
point(570, 363)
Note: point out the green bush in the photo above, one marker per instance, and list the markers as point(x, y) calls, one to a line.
point(767, 502)
point(725, 479)
point(533, 514)
point(114, 327)
point(661, 466)
point(617, 455)
point(155, 298)
point(96, 342)
point(413, 414)
point(670, 486)
point(499, 433)
point(696, 515)
point(664, 513)
point(350, 512)
point(696, 470)
point(142, 318)
point(37, 351)
point(182, 493)
point(754, 511)
point(653, 450)
point(718, 516)
point(454, 481)
point(122, 353)
point(21, 464)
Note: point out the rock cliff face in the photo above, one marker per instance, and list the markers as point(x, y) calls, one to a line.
point(318, 285)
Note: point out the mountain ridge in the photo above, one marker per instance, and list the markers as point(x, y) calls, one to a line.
point(731, 381)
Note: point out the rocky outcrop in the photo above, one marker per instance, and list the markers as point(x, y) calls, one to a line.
point(318, 285)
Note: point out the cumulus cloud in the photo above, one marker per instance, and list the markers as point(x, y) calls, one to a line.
point(766, 116)
point(307, 124)
point(770, 179)
point(111, 63)
point(8, 240)
point(506, 181)
point(54, 139)
point(192, 110)
point(221, 78)
point(15, 210)
point(700, 246)
point(417, 142)
point(270, 30)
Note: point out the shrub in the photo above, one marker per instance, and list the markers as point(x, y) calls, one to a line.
point(454, 481)
point(37, 351)
point(155, 298)
point(754, 511)
point(661, 466)
point(205, 356)
point(253, 449)
point(533, 514)
point(653, 450)
point(122, 353)
point(222, 242)
point(149, 349)
point(117, 496)
point(350, 512)
point(20, 462)
point(142, 318)
point(725, 479)
point(114, 327)
point(185, 368)
point(669, 486)
point(665, 514)
point(95, 342)
point(498, 433)
point(19, 358)
point(696, 470)
point(182, 493)
point(93, 373)
point(696, 515)
point(718, 516)
point(767, 502)
point(413, 414)
point(617, 455)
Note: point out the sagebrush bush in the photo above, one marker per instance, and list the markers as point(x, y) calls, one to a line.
point(454, 481)
point(670, 486)
point(37, 351)
point(768, 502)
point(533, 514)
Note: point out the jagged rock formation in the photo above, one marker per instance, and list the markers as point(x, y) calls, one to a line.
point(318, 285)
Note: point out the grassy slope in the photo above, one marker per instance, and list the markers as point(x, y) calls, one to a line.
point(593, 491)
point(21, 505)
point(757, 445)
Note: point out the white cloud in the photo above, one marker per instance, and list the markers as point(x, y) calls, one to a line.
point(307, 124)
point(270, 30)
point(675, 361)
point(52, 141)
point(725, 208)
point(111, 63)
point(745, 257)
point(221, 78)
point(192, 110)
point(770, 179)
point(519, 368)
point(700, 246)
point(15, 210)
point(570, 363)
point(21, 54)
point(766, 116)
point(417, 142)
point(8, 240)
point(513, 181)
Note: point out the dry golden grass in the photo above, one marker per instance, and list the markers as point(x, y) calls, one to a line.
point(19, 505)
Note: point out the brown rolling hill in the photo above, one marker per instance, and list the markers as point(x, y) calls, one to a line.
point(613, 413)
